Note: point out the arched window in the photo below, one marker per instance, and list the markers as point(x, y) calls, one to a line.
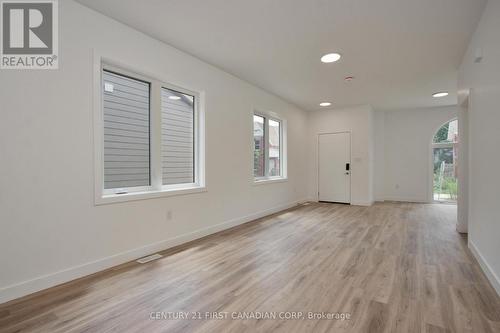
point(445, 153)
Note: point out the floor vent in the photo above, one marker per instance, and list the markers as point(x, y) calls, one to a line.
point(149, 258)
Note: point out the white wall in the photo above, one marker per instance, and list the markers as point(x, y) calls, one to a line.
point(483, 81)
point(359, 121)
point(379, 154)
point(407, 141)
point(50, 229)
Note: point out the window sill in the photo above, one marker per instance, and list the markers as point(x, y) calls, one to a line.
point(272, 180)
point(132, 196)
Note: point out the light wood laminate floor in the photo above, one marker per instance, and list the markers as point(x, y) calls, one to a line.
point(394, 267)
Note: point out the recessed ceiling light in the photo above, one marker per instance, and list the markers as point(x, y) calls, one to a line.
point(175, 98)
point(325, 104)
point(330, 57)
point(440, 94)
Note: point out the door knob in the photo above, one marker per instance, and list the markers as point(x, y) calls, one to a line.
point(347, 173)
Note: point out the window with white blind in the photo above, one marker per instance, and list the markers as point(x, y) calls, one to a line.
point(177, 137)
point(150, 138)
point(126, 131)
point(269, 160)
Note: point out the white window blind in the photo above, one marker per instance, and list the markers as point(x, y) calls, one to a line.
point(126, 104)
point(177, 132)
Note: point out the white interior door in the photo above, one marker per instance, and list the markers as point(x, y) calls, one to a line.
point(334, 159)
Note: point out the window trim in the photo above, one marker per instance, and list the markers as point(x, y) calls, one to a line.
point(156, 188)
point(266, 179)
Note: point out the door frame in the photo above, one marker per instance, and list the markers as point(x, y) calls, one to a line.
point(350, 162)
point(463, 166)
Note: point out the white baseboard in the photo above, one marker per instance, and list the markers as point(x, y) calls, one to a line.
point(53, 279)
point(362, 203)
point(490, 274)
point(406, 199)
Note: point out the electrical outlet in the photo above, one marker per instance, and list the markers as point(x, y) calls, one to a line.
point(169, 215)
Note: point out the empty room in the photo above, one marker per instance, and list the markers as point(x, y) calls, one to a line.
point(249, 166)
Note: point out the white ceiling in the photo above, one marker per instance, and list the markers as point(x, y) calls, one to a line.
point(399, 51)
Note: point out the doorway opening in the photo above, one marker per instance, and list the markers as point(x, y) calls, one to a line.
point(445, 158)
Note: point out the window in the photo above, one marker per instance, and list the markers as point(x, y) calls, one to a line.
point(259, 147)
point(150, 135)
point(274, 148)
point(126, 132)
point(177, 137)
point(268, 148)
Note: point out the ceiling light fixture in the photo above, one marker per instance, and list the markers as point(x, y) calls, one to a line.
point(349, 78)
point(330, 57)
point(325, 104)
point(440, 94)
point(173, 97)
